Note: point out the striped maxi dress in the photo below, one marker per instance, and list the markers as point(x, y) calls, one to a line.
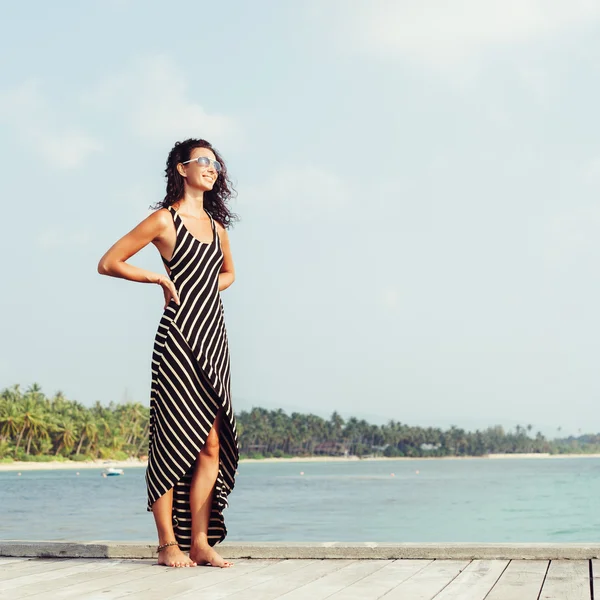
point(190, 383)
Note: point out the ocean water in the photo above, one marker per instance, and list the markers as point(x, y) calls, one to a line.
point(524, 500)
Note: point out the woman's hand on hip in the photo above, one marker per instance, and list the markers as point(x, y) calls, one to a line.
point(169, 290)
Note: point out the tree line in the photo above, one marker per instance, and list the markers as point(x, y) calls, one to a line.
point(34, 426)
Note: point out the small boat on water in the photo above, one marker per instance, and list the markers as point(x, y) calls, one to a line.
point(111, 472)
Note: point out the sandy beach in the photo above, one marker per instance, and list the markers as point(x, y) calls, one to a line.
point(135, 463)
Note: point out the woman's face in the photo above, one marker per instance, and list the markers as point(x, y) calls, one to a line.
point(200, 176)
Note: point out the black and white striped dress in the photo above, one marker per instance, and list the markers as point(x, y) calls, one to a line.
point(190, 382)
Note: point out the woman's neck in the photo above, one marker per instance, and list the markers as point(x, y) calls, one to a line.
point(193, 202)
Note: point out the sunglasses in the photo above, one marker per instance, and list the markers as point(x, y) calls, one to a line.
point(204, 161)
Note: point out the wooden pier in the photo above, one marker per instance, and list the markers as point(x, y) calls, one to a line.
point(356, 578)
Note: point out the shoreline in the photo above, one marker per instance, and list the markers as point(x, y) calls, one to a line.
point(136, 463)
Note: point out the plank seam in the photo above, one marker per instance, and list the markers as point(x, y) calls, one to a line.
point(431, 561)
point(544, 581)
point(405, 580)
point(497, 580)
point(360, 579)
point(317, 560)
point(252, 585)
point(459, 572)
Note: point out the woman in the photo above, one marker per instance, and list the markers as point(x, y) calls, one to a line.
point(193, 449)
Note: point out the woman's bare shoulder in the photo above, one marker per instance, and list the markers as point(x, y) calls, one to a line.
point(159, 218)
point(154, 225)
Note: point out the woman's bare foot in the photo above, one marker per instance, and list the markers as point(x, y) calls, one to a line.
point(172, 556)
point(203, 555)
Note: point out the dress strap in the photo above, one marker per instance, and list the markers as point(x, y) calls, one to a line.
point(175, 216)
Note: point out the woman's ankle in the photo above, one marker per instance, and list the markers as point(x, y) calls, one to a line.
point(200, 541)
point(172, 543)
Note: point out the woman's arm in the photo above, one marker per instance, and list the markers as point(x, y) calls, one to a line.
point(113, 263)
point(227, 274)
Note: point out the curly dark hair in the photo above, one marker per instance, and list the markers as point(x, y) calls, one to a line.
point(215, 200)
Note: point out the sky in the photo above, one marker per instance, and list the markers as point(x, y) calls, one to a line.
point(417, 189)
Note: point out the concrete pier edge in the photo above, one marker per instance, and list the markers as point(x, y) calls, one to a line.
point(311, 550)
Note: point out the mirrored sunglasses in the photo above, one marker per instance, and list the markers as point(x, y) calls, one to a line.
point(204, 161)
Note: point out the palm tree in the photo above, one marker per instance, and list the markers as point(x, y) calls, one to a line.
point(4, 448)
point(38, 428)
point(28, 416)
point(35, 391)
point(66, 436)
point(143, 437)
point(88, 430)
point(136, 414)
point(11, 420)
point(336, 423)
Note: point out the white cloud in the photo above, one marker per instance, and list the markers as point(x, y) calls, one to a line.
point(441, 33)
point(389, 298)
point(572, 233)
point(56, 238)
point(300, 193)
point(35, 125)
point(68, 150)
point(567, 236)
point(539, 81)
point(150, 97)
point(153, 94)
point(590, 172)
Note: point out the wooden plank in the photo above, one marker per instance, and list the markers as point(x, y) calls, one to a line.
point(334, 582)
point(40, 578)
point(522, 580)
point(425, 584)
point(567, 580)
point(475, 582)
point(14, 564)
point(596, 577)
point(180, 581)
point(245, 583)
point(81, 584)
point(98, 569)
point(275, 588)
point(33, 567)
point(374, 586)
point(110, 574)
point(6, 560)
point(29, 564)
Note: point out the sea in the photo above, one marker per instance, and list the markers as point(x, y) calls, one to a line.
point(429, 500)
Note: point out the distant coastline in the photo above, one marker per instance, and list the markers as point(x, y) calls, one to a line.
point(35, 428)
point(136, 463)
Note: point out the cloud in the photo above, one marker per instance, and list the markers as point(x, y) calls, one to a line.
point(35, 124)
point(150, 97)
point(300, 193)
point(570, 235)
point(389, 298)
point(153, 97)
point(68, 150)
point(590, 172)
point(442, 34)
point(56, 238)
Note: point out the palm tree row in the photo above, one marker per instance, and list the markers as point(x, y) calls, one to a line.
point(33, 426)
point(275, 433)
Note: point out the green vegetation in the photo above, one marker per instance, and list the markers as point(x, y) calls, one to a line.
point(35, 427)
point(38, 428)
